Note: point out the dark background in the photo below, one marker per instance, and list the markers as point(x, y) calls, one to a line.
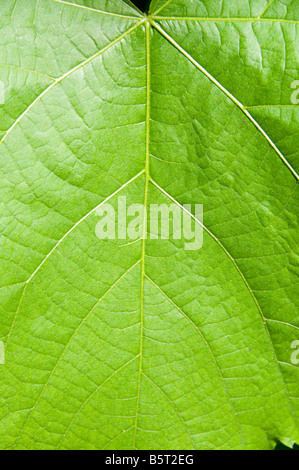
point(282, 447)
point(141, 4)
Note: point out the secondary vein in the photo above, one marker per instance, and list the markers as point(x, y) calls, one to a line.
point(58, 80)
point(93, 9)
point(227, 93)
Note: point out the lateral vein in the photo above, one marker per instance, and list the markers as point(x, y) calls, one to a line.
point(198, 331)
point(227, 93)
point(62, 239)
point(94, 9)
point(67, 74)
point(225, 20)
point(247, 285)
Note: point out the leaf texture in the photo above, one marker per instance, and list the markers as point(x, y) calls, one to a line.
point(119, 345)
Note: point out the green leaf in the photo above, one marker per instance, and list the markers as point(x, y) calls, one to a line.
point(111, 344)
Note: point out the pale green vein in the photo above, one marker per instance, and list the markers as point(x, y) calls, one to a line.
point(116, 437)
point(90, 397)
point(67, 74)
point(201, 335)
point(69, 342)
point(288, 364)
point(17, 313)
point(15, 67)
point(13, 413)
point(162, 7)
point(147, 179)
point(13, 285)
point(94, 9)
point(262, 106)
point(64, 237)
point(84, 218)
point(245, 282)
point(266, 8)
point(227, 93)
point(173, 407)
point(282, 323)
point(225, 20)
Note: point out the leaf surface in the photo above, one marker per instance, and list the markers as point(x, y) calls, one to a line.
point(145, 345)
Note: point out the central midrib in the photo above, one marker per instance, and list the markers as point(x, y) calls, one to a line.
point(147, 181)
